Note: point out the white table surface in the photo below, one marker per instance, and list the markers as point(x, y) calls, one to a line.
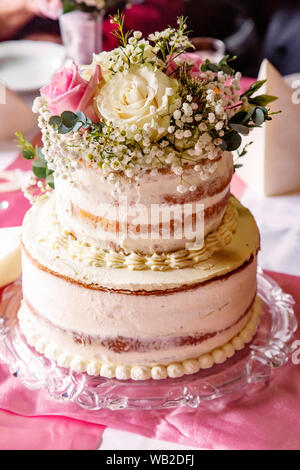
point(279, 222)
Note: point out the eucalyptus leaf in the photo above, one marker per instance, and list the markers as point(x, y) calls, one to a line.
point(240, 128)
point(248, 115)
point(259, 117)
point(232, 141)
point(69, 119)
point(55, 121)
point(239, 117)
point(81, 116)
point(64, 130)
point(77, 126)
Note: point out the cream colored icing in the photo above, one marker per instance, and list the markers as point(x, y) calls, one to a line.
point(78, 203)
point(38, 226)
point(59, 240)
point(213, 306)
point(141, 372)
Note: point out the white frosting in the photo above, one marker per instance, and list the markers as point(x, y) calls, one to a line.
point(38, 225)
point(60, 240)
point(89, 196)
point(94, 367)
point(215, 305)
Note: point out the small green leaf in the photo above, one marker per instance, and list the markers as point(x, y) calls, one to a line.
point(259, 117)
point(248, 115)
point(28, 154)
point(254, 87)
point(69, 119)
point(239, 117)
point(227, 69)
point(39, 153)
point(64, 130)
point(81, 116)
point(39, 169)
point(55, 121)
point(50, 180)
point(232, 141)
point(77, 126)
point(240, 128)
point(224, 59)
point(262, 100)
point(238, 165)
point(212, 67)
point(244, 150)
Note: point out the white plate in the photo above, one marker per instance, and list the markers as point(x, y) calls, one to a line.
point(28, 65)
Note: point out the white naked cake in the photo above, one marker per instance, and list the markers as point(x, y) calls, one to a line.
point(140, 264)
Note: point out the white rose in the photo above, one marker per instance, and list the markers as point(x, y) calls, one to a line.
point(141, 96)
point(101, 59)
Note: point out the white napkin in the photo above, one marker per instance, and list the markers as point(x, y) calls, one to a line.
point(10, 255)
point(15, 115)
point(272, 163)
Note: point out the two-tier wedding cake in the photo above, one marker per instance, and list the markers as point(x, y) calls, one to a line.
point(140, 264)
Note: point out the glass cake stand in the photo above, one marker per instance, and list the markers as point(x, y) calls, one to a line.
point(253, 365)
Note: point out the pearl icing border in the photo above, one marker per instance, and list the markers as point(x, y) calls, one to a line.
point(142, 372)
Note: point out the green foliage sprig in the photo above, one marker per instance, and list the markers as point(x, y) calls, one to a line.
point(241, 123)
point(241, 154)
point(221, 66)
point(69, 121)
point(100, 131)
point(39, 164)
point(261, 100)
point(118, 20)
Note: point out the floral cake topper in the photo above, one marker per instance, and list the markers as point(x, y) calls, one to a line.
point(147, 105)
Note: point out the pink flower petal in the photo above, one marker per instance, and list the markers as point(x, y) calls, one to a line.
point(86, 103)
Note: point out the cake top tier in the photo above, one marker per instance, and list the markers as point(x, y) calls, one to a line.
point(148, 104)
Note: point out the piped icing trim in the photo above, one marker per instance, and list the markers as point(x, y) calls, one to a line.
point(92, 256)
point(36, 248)
point(141, 372)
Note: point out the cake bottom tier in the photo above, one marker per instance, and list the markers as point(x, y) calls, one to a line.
point(81, 355)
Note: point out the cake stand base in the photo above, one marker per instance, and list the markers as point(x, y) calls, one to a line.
point(254, 364)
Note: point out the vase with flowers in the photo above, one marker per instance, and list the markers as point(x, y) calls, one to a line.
point(80, 24)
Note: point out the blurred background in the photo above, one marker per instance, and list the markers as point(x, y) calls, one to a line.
point(38, 37)
point(250, 29)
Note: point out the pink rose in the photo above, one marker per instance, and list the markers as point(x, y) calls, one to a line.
point(191, 58)
point(68, 91)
